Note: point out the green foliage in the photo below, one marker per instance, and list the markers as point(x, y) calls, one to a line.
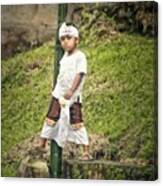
point(26, 84)
point(109, 171)
point(9, 168)
point(103, 18)
point(118, 95)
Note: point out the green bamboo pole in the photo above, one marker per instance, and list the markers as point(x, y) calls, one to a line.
point(62, 13)
point(55, 150)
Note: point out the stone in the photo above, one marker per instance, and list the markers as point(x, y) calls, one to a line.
point(107, 170)
point(34, 168)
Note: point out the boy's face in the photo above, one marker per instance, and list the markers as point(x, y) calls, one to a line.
point(69, 43)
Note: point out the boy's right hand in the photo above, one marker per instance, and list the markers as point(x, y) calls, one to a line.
point(68, 94)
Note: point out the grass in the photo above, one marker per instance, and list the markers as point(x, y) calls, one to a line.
point(26, 88)
point(118, 95)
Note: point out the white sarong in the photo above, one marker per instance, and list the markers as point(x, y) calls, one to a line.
point(63, 131)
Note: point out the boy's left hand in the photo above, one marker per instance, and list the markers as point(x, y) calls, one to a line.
point(69, 94)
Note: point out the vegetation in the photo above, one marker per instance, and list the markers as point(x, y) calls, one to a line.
point(119, 95)
point(120, 90)
point(26, 89)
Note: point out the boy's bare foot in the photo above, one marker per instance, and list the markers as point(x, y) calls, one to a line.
point(42, 146)
point(41, 149)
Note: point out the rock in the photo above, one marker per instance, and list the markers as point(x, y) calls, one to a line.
point(26, 26)
point(35, 164)
point(23, 167)
point(107, 170)
point(39, 169)
point(33, 168)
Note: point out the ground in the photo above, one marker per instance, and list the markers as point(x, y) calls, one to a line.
point(119, 97)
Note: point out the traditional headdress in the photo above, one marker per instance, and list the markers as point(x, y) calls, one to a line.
point(68, 30)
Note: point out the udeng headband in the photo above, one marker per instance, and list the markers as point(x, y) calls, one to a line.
point(68, 30)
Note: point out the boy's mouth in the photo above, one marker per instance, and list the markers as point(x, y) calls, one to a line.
point(67, 48)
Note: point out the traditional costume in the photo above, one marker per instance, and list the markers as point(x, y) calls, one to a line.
point(65, 116)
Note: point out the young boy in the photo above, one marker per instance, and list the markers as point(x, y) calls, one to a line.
point(64, 120)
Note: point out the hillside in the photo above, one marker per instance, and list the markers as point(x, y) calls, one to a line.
point(119, 96)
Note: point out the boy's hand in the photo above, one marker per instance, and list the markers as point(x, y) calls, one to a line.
point(69, 94)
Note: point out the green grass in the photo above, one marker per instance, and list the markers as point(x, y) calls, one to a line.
point(26, 88)
point(118, 94)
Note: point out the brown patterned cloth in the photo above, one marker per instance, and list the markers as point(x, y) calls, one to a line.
point(54, 110)
point(75, 112)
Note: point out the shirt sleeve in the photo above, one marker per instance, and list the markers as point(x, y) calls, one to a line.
point(82, 64)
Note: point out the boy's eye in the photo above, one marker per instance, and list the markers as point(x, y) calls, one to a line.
point(62, 38)
point(69, 37)
point(65, 37)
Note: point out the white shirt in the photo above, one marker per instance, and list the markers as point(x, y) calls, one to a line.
point(70, 65)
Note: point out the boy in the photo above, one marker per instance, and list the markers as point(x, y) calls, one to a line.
point(64, 119)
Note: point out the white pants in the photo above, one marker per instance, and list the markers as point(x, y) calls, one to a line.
point(63, 132)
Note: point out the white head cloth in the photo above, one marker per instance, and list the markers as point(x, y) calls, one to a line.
point(68, 30)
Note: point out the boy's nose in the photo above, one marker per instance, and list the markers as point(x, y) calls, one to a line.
point(66, 40)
